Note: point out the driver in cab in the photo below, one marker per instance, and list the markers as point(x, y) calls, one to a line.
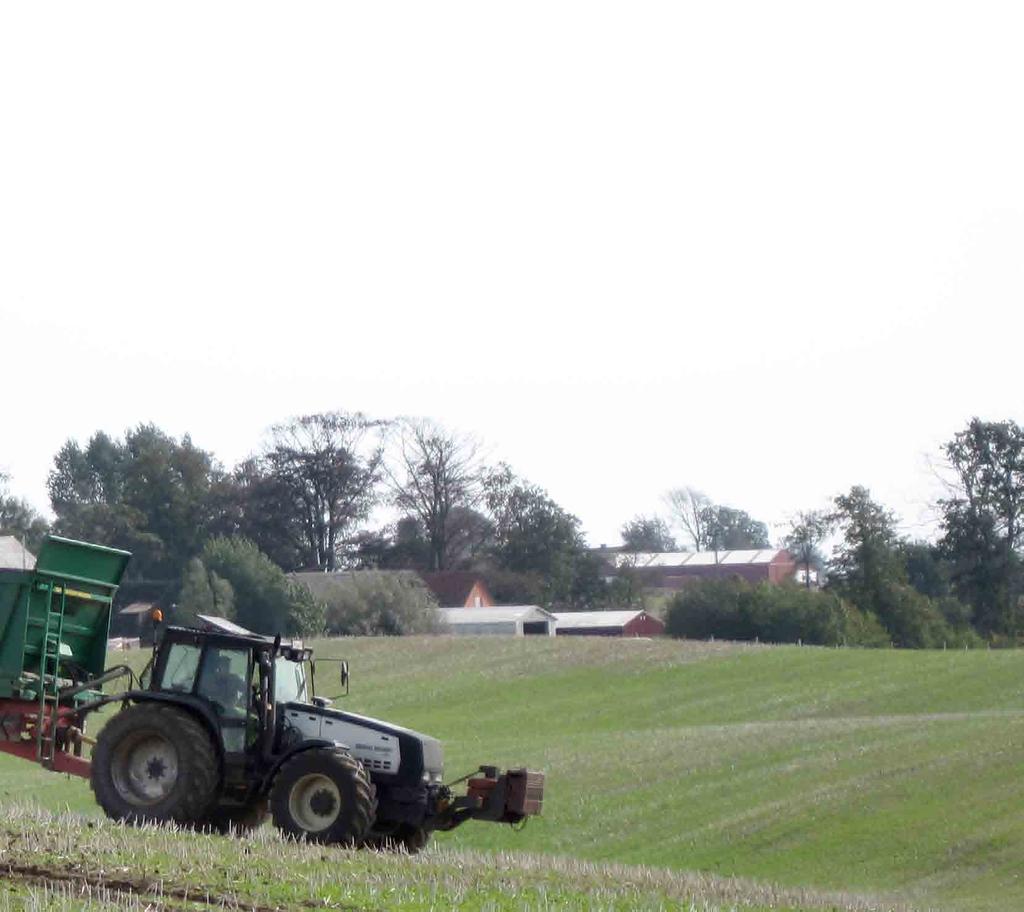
point(224, 688)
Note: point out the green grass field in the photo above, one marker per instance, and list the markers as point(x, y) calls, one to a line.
point(885, 774)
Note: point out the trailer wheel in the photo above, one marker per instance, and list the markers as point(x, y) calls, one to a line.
point(324, 795)
point(226, 820)
point(154, 763)
point(403, 838)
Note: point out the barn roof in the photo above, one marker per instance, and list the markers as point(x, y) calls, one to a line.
point(701, 558)
point(451, 587)
point(502, 614)
point(568, 620)
point(14, 555)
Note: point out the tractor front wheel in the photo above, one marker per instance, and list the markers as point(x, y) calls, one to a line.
point(324, 795)
point(155, 763)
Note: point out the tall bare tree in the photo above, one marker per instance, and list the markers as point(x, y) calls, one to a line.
point(714, 527)
point(330, 465)
point(434, 475)
point(689, 509)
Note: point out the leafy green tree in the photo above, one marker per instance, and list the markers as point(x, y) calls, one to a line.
point(254, 503)
point(866, 562)
point(18, 518)
point(983, 521)
point(588, 589)
point(203, 592)
point(404, 545)
point(372, 603)
point(509, 587)
point(401, 546)
point(307, 614)
point(149, 494)
point(626, 590)
point(534, 535)
point(928, 570)
point(806, 533)
point(329, 465)
point(470, 535)
point(915, 621)
point(266, 601)
point(738, 610)
point(729, 529)
point(647, 534)
point(869, 569)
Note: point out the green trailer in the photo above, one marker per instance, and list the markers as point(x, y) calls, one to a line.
point(54, 622)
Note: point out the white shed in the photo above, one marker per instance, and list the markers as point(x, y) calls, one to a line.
point(505, 620)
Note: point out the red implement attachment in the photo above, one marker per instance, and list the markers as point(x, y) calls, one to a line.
point(508, 797)
point(19, 721)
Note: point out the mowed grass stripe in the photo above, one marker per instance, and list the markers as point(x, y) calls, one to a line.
point(754, 685)
point(833, 768)
point(711, 797)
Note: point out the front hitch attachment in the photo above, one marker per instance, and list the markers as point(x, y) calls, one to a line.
point(497, 797)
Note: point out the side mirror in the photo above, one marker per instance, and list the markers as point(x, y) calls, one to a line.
point(344, 674)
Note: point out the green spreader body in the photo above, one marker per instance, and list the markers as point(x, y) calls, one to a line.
point(55, 618)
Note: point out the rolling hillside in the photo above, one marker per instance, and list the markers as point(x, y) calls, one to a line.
point(891, 774)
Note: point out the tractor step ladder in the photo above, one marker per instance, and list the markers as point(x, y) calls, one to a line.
point(49, 679)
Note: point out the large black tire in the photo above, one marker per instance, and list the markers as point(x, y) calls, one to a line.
point(237, 820)
point(324, 795)
point(155, 763)
point(404, 837)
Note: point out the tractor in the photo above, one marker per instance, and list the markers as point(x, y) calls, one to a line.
point(222, 728)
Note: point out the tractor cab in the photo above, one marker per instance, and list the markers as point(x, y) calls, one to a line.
point(238, 682)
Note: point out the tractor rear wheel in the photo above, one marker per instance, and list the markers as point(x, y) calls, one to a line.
point(155, 763)
point(324, 795)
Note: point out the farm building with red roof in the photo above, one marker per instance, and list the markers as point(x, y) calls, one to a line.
point(634, 623)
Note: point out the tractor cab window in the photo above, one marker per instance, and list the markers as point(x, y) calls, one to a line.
point(290, 682)
point(180, 668)
point(224, 681)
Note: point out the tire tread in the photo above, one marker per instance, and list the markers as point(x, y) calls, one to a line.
point(364, 811)
point(196, 755)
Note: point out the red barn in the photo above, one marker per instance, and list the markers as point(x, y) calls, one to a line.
point(608, 623)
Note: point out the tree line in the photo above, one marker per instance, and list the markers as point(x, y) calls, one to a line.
point(225, 539)
point(965, 587)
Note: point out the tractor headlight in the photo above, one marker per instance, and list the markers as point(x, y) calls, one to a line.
point(431, 777)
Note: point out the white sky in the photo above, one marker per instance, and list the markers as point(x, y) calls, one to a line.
point(767, 249)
